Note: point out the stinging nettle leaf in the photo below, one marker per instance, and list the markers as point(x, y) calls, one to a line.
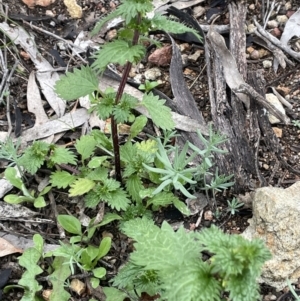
point(118, 52)
point(77, 84)
point(160, 114)
point(61, 179)
point(81, 186)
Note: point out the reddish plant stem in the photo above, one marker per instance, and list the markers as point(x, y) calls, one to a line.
point(114, 125)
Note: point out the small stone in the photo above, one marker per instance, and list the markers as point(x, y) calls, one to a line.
point(184, 47)
point(263, 52)
point(251, 28)
point(198, 11)
point(254, 55)
point(61, 45)
point(77, 286)
point(208, 215)
point(266, 166)
point(251, 6)
point(161, 56)
point(278, 132)
point(282, 19)
point(138, 78)
point(272, 24)
point(272, 99)
point(283, 90)
point(50, 13)
point(111, 35)
point(250, 49)
point(185, 59)
point(194, 57)
point(152, 74)
point(276, 32)
point(267, 64)
point(289, 13)
point(288, 5)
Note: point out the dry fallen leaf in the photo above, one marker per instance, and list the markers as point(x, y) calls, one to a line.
point(33, 3)
point(7, 248)
point(74, 9)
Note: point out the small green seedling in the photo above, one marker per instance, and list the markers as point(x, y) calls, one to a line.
point(11, 174)
point(148, 86)
point(234, 205)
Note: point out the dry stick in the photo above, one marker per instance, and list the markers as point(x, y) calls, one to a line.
point(278, 53)
point(6, 88)
point(276, 42)
point(69, 43)
point(61, 230)
point(247, 89)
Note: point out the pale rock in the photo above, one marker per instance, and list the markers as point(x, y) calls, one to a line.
point(267, 64)
point(152, 74)
point(272, 24)
point(138, 78)
point(288, 5)
point(198, 11)
point(276, 219)
point(252, 6)
point(282, 19)
point(251, 28)
point(195, 56)
point(254, 55)
point(271, 98)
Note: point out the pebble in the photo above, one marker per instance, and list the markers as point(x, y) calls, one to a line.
point(254, 55)
point(138, 78)
point(272, 24)
point(152, 73)
point(251, 6)
point(288, 5)
point(278, 132)
point(194, 57)
point(198, 11)
point(282, 19)
point(251, 28)
point(267, 64)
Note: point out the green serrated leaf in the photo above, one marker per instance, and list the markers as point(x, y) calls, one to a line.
point(160, 114)
point(162, 199)
point(113, 294)
point(61, 179)
point(96, 161)
point(99, 272)
point(122, 111)
point(77, 84)
point(70, 223)
point(118, 200)
point(138, 125)
point(62, 155)
point(134, 185)
point(148, 146)
point(57, 278)
point(81, 186)
point(117, 52)
point(86, 146)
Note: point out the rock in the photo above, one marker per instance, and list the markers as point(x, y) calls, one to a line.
point(195, 56)
point(272, 24)
point(251, 6)
point(271, 98)
point(161, 56)
point(152, 74)
point(251, 28)
point(278, 132)
point(267, 64)
point(198, 11)
point(254, 55)
point(276, 219)
point(282, 19)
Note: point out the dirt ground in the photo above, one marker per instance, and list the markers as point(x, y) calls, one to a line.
point(56, 19)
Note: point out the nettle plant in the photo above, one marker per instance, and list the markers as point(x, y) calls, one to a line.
point(168, 265)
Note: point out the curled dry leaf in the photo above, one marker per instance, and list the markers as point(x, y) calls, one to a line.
point(7, 248)
point(74, 9)
point(33, 3)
